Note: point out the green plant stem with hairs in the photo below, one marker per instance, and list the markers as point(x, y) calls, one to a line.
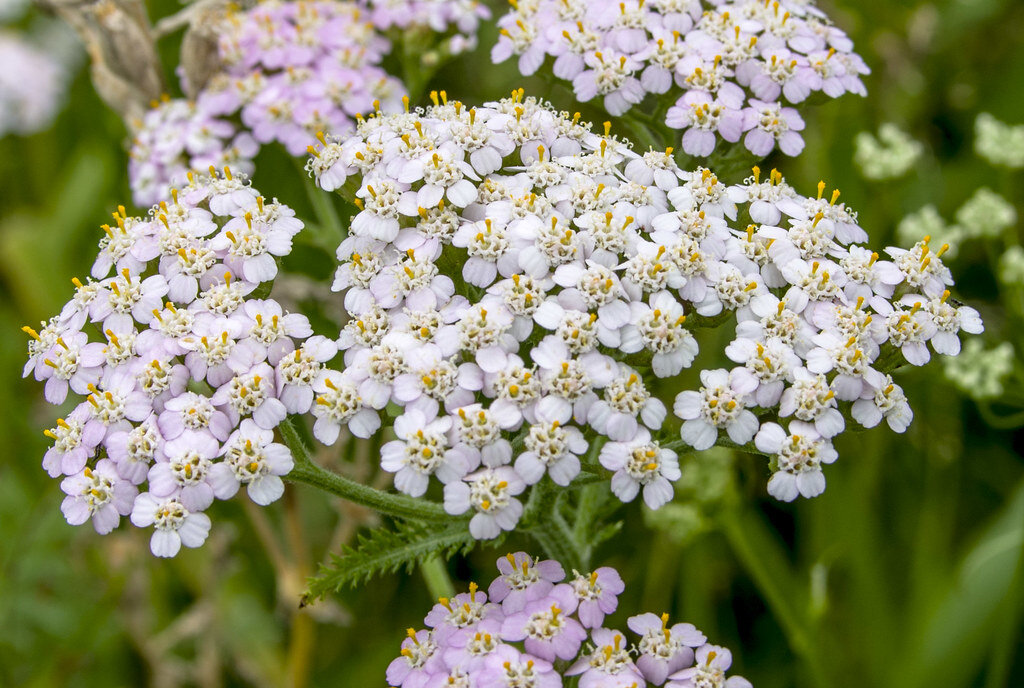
point(310, 473)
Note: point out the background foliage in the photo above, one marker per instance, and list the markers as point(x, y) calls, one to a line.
point(907, 572)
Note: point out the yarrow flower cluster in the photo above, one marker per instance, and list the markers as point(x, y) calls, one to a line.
point(191, 371)
point(980, 373)
point(177, 136)
point(889, 156)
point(517, 284)
point(986, 214)
point(529, 624)
point(999, 143)
point(287, 71)
point(461, 18)
point(732, 69)
point(32, 85)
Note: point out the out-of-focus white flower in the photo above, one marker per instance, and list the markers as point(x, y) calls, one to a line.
point(980, 372)
point(889, 156)
point(999, 143)
point(33, 82)
point(1011, 266)
point(986, 214)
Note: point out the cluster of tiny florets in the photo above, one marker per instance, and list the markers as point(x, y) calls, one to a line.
point(287, 70)
point(732, 69)
point(529, 624)
point(998, 142)
point(460, 18)
point(517, 284)
point(32, 85)
point(182, 369)
point(890, 155)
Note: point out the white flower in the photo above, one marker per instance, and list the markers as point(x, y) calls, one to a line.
point(174, 524)
point(423, 448)
point(885, 401)
point(623, 401)
point(338, 403)
point(491, 493)
point(811, 399)
point(251, 458)
point(641, 463)
point(553, 448)
point(660, 329)
point(799, 454)
point(718, 405)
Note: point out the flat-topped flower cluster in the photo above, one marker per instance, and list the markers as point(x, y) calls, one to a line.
point(287, 70)
point(529, 624)
point(459, 18)
point(724, 70)
point(518, 283)
point(184, 371)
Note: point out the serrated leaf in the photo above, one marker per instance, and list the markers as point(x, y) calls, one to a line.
point(383, 551)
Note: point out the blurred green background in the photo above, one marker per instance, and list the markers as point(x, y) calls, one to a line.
point(906, 572)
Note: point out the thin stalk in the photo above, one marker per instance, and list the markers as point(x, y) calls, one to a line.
point(546, 525)
point(309, 473)
point(555, 538)
point(756, 550)
point(435, 575)
point(326, 214)
point(302, 640)
point(591, 500)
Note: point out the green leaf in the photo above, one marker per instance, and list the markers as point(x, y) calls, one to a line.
point(383, 551)
point(960, 633)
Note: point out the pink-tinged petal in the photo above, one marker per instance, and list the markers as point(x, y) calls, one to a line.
point(105, 519)
point(75, 510)
point(223, 481)
point(791, 143)
point(165, 543)
point(699, 434)
point(265, 489)
point(624, 487)
point(195, 529)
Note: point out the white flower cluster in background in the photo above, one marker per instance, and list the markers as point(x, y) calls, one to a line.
point(182, 369)
point(979, 372)
point(986, 214)
point(1011, 266)
point(889, 156)
point(999, 143)
point(728, 69)
point(518, 284)
point(12, 9)
point(927, 221)
point(33, 84)
point(459, 17)
point(287, 71)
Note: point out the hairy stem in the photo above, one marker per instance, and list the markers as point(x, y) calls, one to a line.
point(555, 538)
point(546, 525)
point(309, 473)
point(435, 575)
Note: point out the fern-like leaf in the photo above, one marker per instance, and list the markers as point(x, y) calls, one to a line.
point(383, 551)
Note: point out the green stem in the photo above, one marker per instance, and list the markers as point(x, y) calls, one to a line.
point(546, 525)
point(759, 553)
point(591, 500)
point(435, 575)
point(326, 213)
point(555, 538)
point(309, 473)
